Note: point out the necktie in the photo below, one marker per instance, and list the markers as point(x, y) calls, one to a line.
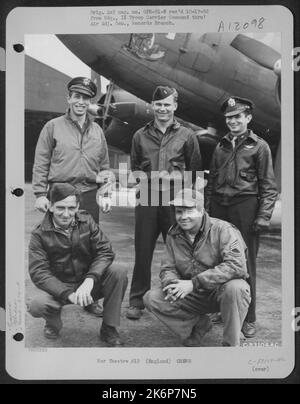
point(233, 142)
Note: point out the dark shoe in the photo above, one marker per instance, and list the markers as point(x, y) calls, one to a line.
point(216, 318)
point(50, 332)
point(249, 329)
point(225, 344)
point(200, 329)
point(95, 308)
point(134, 313)
point(110, 335)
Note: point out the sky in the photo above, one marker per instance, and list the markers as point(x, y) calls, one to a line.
point(49, 50)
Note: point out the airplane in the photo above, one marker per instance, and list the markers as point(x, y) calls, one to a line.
point(204, 68)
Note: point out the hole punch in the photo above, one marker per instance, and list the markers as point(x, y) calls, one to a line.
point(18, 337)
point(18, 47)
point(17, 192)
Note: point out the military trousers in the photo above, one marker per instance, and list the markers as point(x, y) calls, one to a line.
point(112, 287)
point(232, 299)
point(243, 215)
point(88, 202)
point(150, 222)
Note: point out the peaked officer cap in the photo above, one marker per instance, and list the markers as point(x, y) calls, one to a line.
point(83, 85)
point(235, 105)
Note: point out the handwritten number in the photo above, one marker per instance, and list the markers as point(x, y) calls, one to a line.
point(238, 26)
point(261, 22)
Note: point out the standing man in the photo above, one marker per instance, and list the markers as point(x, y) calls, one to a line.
point(70, 262)
point(73, 149)
point(203, 271)
point(162, 147)
point(241, 187)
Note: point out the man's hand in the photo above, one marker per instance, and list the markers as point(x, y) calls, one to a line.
point(105, 203)
point(104, 177)
point(260, 225)
point(83, 293)
point(178, 290)
point(42, 204)
point(71, 298)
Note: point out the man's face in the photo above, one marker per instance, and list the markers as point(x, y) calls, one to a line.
point(189, 219)
point(164, 109)
point(78, 103)
point(64, 211)
point(238, 123)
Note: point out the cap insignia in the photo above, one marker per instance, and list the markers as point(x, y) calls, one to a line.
point(231, 102)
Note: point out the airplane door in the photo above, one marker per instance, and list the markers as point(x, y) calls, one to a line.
point(198, 53)
point(207, 52)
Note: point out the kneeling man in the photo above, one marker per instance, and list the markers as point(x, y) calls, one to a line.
point(69, 261)
point(204, 271)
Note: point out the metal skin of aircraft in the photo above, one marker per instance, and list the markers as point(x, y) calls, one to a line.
point(204, 68)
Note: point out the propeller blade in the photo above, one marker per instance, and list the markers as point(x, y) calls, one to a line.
point(262, 54)
point(119, 110)
point(122, 110)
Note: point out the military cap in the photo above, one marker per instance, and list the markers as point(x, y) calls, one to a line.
point(235, 105)
point(61, 190)
point(83, 85)
point(189, 198)
point(162, 92)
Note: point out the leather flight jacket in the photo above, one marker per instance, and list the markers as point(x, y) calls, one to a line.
point(59, 261)
point(243, 171)
point(217, 255)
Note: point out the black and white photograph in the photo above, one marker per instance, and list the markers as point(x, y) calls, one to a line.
point(157, 167)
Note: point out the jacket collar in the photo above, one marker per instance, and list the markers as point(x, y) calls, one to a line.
point(47, 222)
point(87, 121)
point(250, 135)
point(176, 230)
point(174, 125)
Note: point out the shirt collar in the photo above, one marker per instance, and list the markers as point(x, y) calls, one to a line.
point(248, 134)
point(174, 125)
point(87, 121)
point(176, 230)
point(68, 230)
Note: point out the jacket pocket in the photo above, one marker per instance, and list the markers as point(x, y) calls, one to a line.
point(249, 175)
point(146, 165)
point(215, 178)
point(177, 165)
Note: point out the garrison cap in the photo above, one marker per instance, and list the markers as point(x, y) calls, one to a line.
point(83, 85)
point(162, 92)
point(61, 190)
point(189, 198)
point(235, 105)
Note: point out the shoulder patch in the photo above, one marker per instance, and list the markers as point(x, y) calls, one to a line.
point(234, 249)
